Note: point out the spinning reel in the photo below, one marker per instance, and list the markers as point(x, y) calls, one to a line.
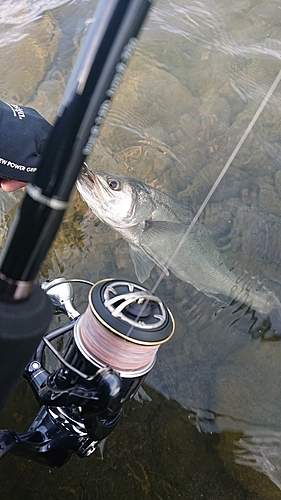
point(107, 353)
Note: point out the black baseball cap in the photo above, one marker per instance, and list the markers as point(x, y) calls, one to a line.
point(23, 133)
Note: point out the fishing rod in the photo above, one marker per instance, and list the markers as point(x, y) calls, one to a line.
point(25, 309)
point(100, 367)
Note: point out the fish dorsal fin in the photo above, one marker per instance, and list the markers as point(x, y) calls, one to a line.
point(143, 264)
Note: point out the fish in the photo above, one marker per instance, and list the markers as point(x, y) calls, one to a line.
point(154, 224)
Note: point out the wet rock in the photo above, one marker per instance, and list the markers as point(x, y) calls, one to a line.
point(170, 181)
point(256, 236)
point(269, 199)
point(235, 102)
point(145, 143)
point(278, 182)
point(255, 482)
point(24, 63)
point(54, 83)
point(245, 390)
point(9, 203)
point(214, 116)
point(265, 12)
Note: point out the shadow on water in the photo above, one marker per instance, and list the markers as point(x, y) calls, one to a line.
point(156, 452)
point(195, 82)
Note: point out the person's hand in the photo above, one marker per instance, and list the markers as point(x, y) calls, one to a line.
point(10, 185)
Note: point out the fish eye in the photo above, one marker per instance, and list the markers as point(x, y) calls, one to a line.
point(114, 184)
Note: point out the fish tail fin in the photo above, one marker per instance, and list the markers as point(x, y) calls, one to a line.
point(267, 327)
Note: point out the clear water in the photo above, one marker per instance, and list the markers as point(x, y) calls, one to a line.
point(200, 72)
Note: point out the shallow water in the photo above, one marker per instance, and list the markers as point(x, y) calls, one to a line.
point(198, 76)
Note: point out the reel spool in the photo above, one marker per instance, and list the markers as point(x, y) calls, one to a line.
point(123, 327)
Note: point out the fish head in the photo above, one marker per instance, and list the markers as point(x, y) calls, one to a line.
point(118, 201)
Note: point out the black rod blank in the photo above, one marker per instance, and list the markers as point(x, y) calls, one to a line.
point(95, 77)
point(25, 310)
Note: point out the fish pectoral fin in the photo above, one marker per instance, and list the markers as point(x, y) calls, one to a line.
point(163, 230)
point(143, 264)
point(160, 239)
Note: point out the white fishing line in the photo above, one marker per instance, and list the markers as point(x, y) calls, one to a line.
point(219, 178)
point(214, 187)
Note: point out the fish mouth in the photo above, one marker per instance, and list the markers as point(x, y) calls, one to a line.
point(85, 172)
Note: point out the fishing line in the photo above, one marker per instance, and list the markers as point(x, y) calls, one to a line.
point(219, 178)
point(104, 346)
point(216, 184)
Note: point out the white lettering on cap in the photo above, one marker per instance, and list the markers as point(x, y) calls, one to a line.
point(17, 111)
point(10, 164)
